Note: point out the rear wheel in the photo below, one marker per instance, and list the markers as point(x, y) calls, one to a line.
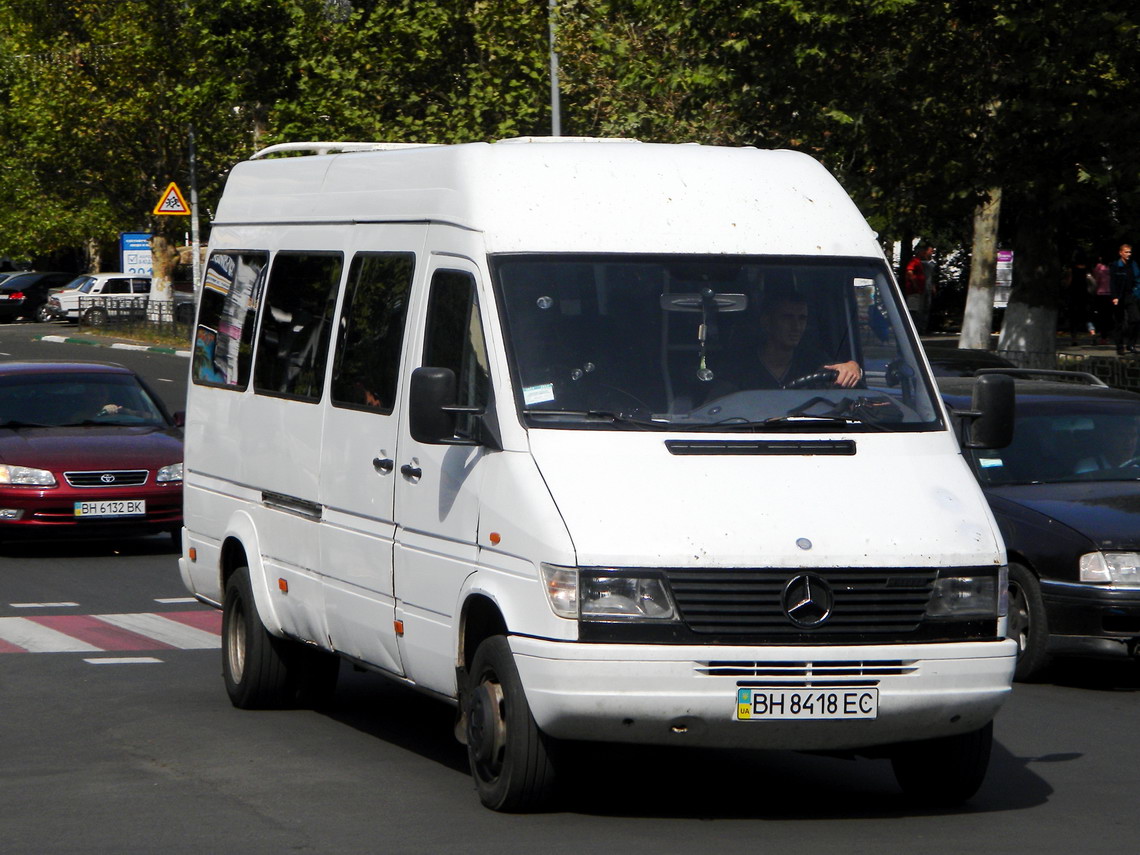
point(96, 316)
point(509, 755)
point(1027, 623)
point(943, 772)
point(254, 663)
point(44, 314)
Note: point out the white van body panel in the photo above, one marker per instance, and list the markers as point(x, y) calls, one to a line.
point(553, 197)
point(628, 502)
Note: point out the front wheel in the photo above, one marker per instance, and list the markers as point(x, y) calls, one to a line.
point(509, 755)
point(944, 772)
point(1027, 623)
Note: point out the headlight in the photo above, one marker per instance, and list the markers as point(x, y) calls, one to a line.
point(173, 472)
point(1113, 568)
point(24, 476)
point(969, 596)
point(607, 595)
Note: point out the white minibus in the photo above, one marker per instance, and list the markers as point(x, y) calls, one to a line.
point(596, 440)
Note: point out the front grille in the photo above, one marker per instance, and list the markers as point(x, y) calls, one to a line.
point(108, 478)
point(846, 673)
point(867, 601)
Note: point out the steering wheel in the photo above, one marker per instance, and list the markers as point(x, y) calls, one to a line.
point(815, 380)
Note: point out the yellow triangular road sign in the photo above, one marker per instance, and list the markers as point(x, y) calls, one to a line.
point(172, 202)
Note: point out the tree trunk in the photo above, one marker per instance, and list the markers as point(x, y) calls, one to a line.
point(164, 258)
point(1029, 331)
point(978, 317)
point(94, 254)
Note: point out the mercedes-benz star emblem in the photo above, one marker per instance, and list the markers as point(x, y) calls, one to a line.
point(808, 600)
point(107, 478)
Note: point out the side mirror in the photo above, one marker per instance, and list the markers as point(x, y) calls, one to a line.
point(179, 419)
point(431, 391)
point(993, 410)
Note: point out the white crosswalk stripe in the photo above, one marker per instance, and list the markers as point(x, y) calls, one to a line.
point(165, 630)
point(36, 638)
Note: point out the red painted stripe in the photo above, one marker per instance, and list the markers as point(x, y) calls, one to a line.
point(209, 620)
point(101, 634)
point(8, 647)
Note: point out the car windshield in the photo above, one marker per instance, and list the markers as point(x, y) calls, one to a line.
point(80, 283)
point(74, 399)
point(709, 343)
point(86, 285)
point(1091, 441)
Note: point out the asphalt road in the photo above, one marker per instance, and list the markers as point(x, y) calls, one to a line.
point(133, 746)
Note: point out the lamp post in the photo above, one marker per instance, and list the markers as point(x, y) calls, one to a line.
point(555, 105)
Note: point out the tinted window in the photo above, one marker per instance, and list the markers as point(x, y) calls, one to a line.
point(455, 340)
point(223, 341)
point(52, 400)
point(117, 286)
point(296, 324)
point(371, 331)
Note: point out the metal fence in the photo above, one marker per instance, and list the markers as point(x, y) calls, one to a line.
point(137, 317)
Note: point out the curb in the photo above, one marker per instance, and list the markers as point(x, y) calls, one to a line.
point(119, 345)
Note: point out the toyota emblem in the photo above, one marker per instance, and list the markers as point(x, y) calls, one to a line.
point(107, 478)
point(808, 600)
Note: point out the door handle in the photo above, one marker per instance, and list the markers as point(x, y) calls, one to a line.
point(383, 465)
point(411, 472)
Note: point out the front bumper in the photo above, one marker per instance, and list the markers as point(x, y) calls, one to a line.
point(1091, 618)
point(51, 512)
point(659, 694)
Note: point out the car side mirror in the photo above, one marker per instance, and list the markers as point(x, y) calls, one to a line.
point(179, 419)
point(432, 411)
point(993, 412)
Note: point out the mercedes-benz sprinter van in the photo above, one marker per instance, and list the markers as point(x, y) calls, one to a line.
point(596, 440)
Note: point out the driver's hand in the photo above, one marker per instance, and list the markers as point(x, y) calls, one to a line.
point(849, 373)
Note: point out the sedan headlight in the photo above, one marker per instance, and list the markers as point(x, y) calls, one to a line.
point(173, 472)
point(1113, 568)
point(972, 596)
point(602, 594)
point(25, 476)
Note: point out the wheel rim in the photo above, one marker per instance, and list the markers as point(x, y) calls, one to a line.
point(1018, 617)
point(487, 728)
point(235, 642)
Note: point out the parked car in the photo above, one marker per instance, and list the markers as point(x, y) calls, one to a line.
point(127, 290)
point(86, 449)
point(1066, 495)
point(23, 295)
point(963, 361)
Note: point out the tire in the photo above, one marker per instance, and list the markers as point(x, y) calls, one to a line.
point(254, 663)
point(943, 772)
point(1027, 625)
point(95, 316)
point(509, 756)
point(44, 315)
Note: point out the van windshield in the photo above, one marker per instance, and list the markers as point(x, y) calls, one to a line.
point(709, 343)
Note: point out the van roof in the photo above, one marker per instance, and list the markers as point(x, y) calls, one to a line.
point(565, 195)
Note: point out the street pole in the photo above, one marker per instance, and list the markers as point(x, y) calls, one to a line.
point(555, 105)
point(195, 242)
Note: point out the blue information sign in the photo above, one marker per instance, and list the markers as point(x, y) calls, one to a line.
point(134, 253)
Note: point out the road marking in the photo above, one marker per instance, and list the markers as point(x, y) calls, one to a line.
point(171, 601)
point(124, 660)
point(161, 628)
point(198, 629)
point(42, 605)
point(27, 634)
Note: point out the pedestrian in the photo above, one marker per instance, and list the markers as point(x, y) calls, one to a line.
point(1102, 299)
point(1125, 300)
point(1079, 285)
point(917, 288)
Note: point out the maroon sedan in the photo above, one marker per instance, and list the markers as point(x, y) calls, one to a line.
point(86, 449)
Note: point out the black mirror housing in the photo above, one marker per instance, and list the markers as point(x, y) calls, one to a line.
point(993, 405)
point(432, 389)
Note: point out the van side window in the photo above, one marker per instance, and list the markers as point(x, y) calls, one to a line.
point(371, 331)
point(296, 324)
point(223, 341)
point(454, 339)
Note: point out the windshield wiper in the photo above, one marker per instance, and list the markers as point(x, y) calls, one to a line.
point(609, 416)
point(16, 424)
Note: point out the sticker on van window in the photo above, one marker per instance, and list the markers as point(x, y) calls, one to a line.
point(990, 462)
point(538, 394)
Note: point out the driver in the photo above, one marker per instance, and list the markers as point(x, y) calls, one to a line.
point(783, 355)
